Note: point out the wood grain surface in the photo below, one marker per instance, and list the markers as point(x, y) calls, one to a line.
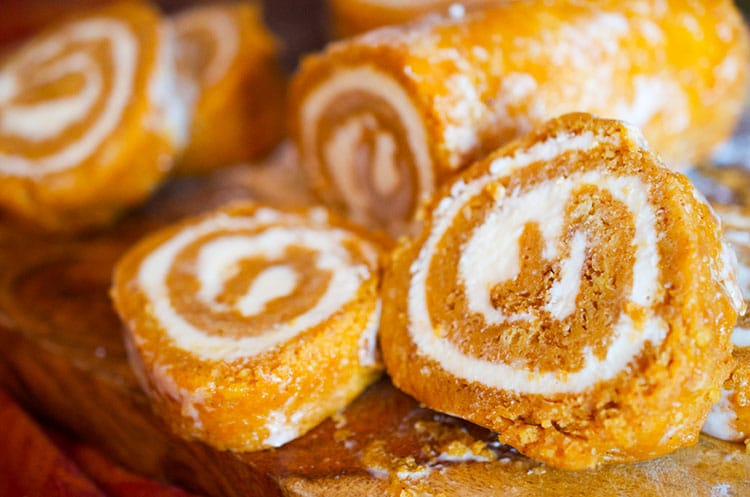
point(62, 355)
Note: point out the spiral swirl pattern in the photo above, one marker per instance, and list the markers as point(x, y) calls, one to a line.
point(90, 118)
point(544, 282)
point(226, 59)
point(384, 117)
point(250, 325)
point(493, 248)
point(296, 277)
point(364, 143)
point(209, 42)
point(96, 58)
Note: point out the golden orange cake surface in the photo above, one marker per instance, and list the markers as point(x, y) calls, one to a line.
point(730, 417)
point(351, 17)
point(569, 292)
point(89, 121)
point(228, 59)
point(382, 118)
point(249, 326)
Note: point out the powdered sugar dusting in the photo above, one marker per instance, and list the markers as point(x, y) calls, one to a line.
point(460, 135)
point(281, 428)
point(191, 402)
point(720, 421)
point(656, 94)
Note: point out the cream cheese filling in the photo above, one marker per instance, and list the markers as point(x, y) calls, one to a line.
point(340, 150)
point(499, 265)
point(37, 123)
point(720, 422)
point(217, 261)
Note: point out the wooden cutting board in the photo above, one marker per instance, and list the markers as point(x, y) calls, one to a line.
point(61, 354)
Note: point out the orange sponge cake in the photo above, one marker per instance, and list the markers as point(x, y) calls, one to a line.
point(570, 293)
point(249, 326)
point(383, 118)
point(228, 58)
point(89, 118)
point(350, 17)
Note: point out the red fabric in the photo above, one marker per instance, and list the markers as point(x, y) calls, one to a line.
point(33, 465)
point(116, 481)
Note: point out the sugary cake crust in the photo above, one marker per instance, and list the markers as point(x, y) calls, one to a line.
point(398, 110)
point(249, 326)
point(457, 332)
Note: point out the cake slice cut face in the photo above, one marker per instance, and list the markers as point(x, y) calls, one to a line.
point(569, 292)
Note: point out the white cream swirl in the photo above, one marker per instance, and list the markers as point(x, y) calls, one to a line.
point(70, 51)
point(721, 420)
point(216, 24)
point(491, 256)
point(247, 237)
point(340, 152)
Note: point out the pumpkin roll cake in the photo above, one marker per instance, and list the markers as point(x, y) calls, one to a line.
point(227, 59)
point(383, 118)
point(569, 292)
point(249, 326)
point(89, 118)
point(730, 417)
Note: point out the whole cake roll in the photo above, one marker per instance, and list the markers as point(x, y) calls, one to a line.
point(350, 17)
point(249, 326)
point(730, 417)
point(383, 118)
point(89, 118)
point(569, 292)
point(228, 59)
